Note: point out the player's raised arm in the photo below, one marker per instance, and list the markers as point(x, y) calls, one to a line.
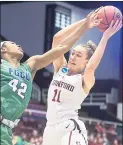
point(98, 54)
point(96, 57)
point(76, 29)
point(39, 61)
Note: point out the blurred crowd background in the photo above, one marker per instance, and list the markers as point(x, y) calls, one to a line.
point(32, 25)
point(30, 132)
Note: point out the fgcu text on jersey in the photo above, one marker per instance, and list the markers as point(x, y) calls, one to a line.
point(18, 73)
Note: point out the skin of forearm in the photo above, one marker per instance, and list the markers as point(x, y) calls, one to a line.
point(98, 54)
point(69, 29)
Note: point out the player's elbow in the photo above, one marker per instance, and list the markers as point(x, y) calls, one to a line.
point(62, 48)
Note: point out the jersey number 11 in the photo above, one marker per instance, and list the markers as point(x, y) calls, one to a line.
point(56, 97)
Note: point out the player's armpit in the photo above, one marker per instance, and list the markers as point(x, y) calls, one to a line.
point(58, 63)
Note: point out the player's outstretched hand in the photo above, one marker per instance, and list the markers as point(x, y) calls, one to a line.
point(92, 19)
point(113, 29)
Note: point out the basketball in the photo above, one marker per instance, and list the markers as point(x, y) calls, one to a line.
point(108, 13)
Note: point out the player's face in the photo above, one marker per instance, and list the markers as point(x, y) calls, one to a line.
point(78, 59)
point(13, 49)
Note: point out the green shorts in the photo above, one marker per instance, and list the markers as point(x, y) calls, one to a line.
point(6, 135)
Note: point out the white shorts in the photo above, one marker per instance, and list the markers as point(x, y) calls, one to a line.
point(65, 133)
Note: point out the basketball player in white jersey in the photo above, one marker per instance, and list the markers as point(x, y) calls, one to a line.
point(71, 84)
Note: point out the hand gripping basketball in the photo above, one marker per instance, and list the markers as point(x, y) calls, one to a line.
point(113, 28)
point(108, 13)
point(92, 18)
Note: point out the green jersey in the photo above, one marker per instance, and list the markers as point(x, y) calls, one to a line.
point(16, 88)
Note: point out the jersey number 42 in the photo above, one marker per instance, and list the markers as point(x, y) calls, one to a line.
point(20, 91)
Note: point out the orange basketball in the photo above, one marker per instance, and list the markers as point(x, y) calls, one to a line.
point(108, 13)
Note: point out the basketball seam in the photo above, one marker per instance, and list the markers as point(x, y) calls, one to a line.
point(113, 15)
point(106, 16)
point(103, 23)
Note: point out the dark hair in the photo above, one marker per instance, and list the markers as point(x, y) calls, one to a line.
point(90, 47)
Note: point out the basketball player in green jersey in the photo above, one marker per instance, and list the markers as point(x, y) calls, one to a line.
point(16, 77)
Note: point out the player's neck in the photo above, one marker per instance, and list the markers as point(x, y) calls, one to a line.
point(71, 72)
point(13, 61)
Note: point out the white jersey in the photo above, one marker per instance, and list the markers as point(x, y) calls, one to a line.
point(65, 96)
